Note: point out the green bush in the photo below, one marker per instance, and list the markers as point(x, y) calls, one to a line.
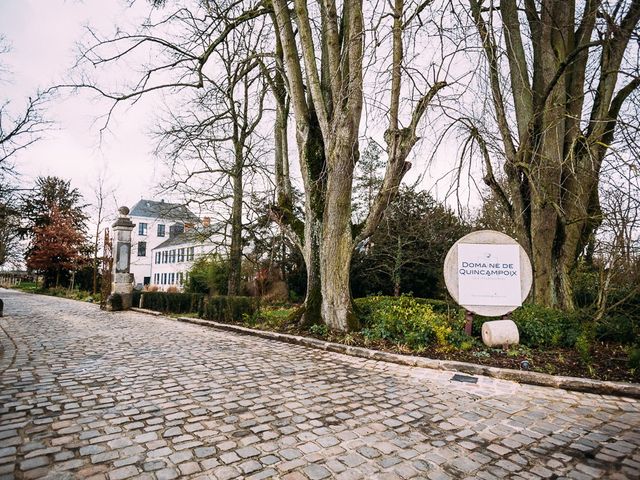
point(172, 302)
point(228, 309)
point(115, 302)
point(135, 298)
point(408, 321)
point(319, 329)
point(209, 275)
point(546, 327)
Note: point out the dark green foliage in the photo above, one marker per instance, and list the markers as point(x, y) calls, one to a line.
point(634, 357)
point(115, 302)
point(172, 302)
point(50, 192)
point(135, 298)
point(209, 275)
point(9, 223)
point(585, 286)
point(546, 327)
point(227, 309)
point(409, 321)
point(407, 251)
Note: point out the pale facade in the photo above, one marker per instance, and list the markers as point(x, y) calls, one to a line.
point(153, 225)
point(173, 259)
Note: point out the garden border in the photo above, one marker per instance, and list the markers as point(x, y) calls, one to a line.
point(631, 390)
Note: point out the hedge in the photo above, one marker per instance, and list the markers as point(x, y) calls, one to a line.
point(228, 309)
point(218, 308)
point(171, 302)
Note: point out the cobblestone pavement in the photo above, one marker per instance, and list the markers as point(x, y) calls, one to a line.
point(88, 394)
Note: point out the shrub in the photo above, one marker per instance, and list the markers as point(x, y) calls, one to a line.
point(274, 317)
point(228, 309)
point(209, 275)
point(114, 302)
point(408, 321)
point(318, 329)
point(135, 298)
point(172, 302)
point(546, 327)
point(619, 326)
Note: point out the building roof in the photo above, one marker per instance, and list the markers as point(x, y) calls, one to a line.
point(162, 209)
point(196, 237)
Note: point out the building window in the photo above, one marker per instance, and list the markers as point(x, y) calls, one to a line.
point(172, 256)
point(172, 278)
point(190, 251)
point(160, 230)
point(142, 249)
point(142, 229)
point(165, 256)
point(156, 278)
point(164, 279)
point(180, 278)
point(181, 255)
point(157, 257)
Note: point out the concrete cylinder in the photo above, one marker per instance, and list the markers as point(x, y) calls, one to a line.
point(500, 332)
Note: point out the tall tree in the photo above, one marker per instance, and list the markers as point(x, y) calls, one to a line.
point(213, 149)
point(56, 248)
point(560, 73)
point(51, 194)
point(367, 180)
point(322, 46)
point(9, 224)
point(407, 251)
point(327, 95)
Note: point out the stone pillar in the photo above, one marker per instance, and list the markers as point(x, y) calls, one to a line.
point(122, 280)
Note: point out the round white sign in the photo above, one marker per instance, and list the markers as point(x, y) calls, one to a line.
point(488, 273)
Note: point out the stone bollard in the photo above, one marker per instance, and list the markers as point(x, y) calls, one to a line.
point(499, 333)
point(1, 307)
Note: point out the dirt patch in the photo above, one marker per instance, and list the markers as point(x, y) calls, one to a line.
point(607, 361)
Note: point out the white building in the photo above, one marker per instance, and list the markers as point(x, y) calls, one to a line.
point(154, 221)
point(173, 258)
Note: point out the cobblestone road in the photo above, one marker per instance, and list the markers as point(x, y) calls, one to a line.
point(88, 394)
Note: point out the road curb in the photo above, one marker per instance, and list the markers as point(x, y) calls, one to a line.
point(631, 390)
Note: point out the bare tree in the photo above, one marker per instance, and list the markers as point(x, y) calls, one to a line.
point(327, 96)
point(616, 249)
point(102, 194)
point(560, 73)
point(214, 148)
point(10, 252)
point(18, 131)
point(321, 47)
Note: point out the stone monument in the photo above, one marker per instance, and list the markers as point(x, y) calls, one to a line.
point(489, 273)
point(122, 284)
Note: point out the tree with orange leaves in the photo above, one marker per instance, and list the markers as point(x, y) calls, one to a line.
point(57, 248)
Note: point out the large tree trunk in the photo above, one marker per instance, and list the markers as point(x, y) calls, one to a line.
point(235, 250)
point(555, 151)
point(337, 239)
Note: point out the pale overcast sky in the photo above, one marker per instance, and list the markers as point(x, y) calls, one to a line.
point(42, 35)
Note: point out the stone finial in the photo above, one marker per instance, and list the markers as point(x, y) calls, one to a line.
point(124, 211)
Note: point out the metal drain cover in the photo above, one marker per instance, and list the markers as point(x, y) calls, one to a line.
point(464, 378)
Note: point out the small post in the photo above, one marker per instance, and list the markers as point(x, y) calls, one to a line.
point(468, 326)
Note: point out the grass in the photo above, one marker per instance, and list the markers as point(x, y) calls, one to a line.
point(82, 295)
